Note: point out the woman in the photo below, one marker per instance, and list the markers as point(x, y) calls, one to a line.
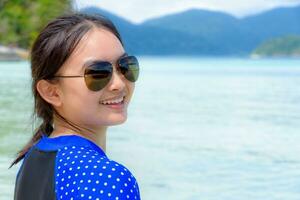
point(82, 82)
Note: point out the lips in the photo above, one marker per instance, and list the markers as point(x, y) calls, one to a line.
point(115, 104)
point(114, 101)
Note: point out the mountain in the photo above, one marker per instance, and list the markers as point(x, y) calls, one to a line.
point(195, 21)
point(147, 40)
point(203, 32)
point(273, 23)
point(220, 29)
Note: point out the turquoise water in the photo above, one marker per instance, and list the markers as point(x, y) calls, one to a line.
point(197, 128)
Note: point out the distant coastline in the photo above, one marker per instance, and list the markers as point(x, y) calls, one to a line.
point(13, 53)
point(20, 54)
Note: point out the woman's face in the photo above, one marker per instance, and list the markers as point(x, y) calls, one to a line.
point(83, 106)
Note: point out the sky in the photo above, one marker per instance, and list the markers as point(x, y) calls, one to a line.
point(138, 11)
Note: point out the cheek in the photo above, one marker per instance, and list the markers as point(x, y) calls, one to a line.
point(78, 100)
point(131, 87)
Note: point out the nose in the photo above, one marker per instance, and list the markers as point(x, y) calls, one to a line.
point(117, 81)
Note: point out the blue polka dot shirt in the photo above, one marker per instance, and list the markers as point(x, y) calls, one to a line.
point(72, 168)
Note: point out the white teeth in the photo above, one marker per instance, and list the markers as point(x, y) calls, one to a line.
point(113, 101)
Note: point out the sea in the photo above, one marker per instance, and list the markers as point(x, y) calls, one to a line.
point(198, 128)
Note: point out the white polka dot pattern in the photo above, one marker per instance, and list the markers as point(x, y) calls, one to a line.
point(83, 173)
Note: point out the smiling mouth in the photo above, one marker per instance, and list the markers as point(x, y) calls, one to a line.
point(117, 104)
point(114, 102)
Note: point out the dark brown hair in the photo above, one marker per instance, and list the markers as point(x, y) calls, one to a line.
point(51, 49)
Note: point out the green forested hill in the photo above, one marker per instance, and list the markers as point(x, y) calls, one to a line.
point(21, 20)
point(282, 46)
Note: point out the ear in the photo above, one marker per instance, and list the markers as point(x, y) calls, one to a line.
point(49, 92)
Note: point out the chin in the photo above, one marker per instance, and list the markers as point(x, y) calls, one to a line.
point(116, 120)
point(117, 123)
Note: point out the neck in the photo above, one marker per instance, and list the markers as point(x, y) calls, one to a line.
point(97, 136)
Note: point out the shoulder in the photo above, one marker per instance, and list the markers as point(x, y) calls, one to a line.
point(84, 173)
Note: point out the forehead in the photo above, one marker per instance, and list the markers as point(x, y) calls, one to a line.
point(96, 44)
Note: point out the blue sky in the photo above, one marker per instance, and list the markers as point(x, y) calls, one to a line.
point(139, 10)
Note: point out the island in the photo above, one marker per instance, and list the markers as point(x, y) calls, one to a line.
point(286, 46)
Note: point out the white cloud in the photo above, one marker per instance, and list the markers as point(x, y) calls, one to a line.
point(140, 10)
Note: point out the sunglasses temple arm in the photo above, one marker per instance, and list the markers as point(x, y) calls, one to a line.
point(67, 76)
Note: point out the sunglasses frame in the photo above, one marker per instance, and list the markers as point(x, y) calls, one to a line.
point(87, 76)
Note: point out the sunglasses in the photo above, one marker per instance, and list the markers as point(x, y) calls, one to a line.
point(98, 74)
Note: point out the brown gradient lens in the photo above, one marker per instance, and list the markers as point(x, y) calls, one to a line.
point(129, 67)
point(98, 75)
